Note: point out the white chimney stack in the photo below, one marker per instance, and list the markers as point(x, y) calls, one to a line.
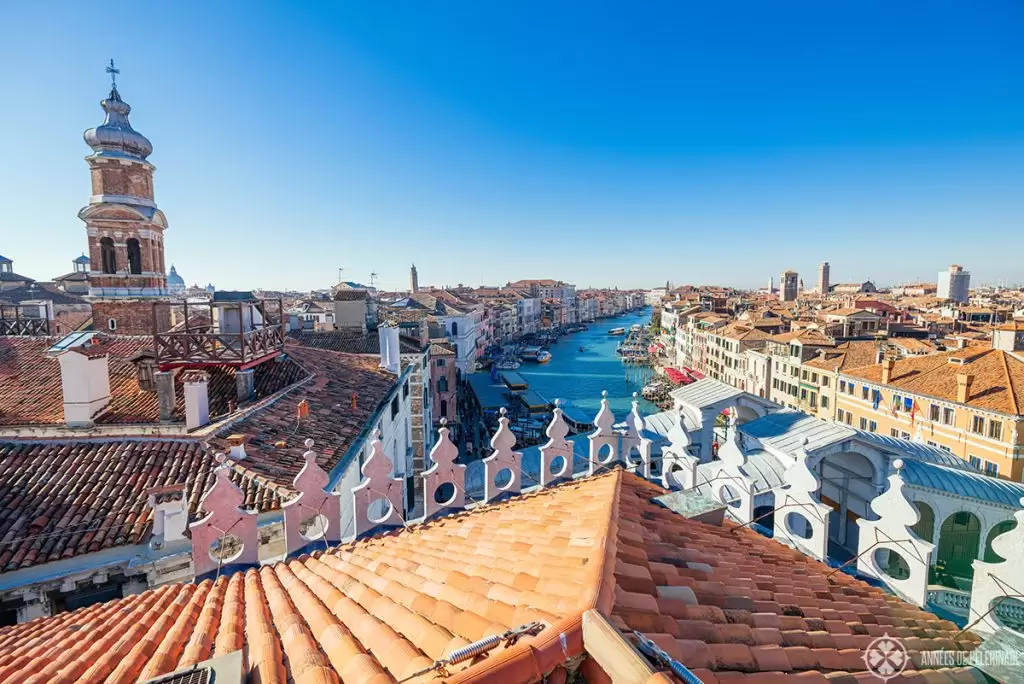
point(394, 349)
point(85, 380)
point(237, 450)
point(382, 336)
point(170, 513)
point(197, 398)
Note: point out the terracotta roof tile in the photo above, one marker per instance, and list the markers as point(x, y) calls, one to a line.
point(998, 377)
point(33, 396)
point(383, 608)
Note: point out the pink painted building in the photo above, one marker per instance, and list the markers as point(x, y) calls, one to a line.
point(444, 382)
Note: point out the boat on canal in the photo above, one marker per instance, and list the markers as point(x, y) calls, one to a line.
point(617, 331)
point(535, 354)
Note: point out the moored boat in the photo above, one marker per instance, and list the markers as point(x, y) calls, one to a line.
point(617, 331)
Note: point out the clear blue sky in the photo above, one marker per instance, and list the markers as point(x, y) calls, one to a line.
point(601, 143)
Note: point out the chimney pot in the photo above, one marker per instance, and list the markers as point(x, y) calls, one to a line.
point(887, 367)
point(237, 444)
point(85, 381)
point(197, 399)
point(963, 387)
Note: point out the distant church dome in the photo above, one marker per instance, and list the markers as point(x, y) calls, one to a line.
point(116, 137)
point(175, 283)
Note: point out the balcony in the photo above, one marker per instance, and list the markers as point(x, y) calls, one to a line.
point(234, 329)
point(24, 320)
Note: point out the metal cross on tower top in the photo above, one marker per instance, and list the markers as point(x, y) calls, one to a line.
point(113, 71)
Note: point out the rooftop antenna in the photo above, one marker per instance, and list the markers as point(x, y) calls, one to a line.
point(340, 270)
point(113, 71)
point(373, 278)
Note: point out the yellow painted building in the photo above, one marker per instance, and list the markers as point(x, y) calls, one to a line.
point(968, 402)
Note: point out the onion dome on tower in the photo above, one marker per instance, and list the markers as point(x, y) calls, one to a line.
point(115, 137)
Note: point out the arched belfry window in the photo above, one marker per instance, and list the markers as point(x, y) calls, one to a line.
point(134, 256)
point(107, 255)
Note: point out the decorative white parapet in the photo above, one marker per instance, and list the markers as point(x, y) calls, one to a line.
point(556, 447)
point(503, 458)
point(884, 542)
point(603, 436)
point(993, 581)
point(634, 438)
point(678, 466)
point(313, 514)
point(377, 500)
point(729, 483)
point(445, 471)
point(227, 534)
point(801, 520)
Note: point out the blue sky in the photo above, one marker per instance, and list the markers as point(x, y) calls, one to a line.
point(600, 143)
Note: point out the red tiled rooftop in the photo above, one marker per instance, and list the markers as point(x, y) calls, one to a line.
point(381, 609)
point(32, 393)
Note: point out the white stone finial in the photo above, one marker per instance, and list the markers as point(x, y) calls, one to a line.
point(221, 458)
point(309, 443)
point(378, 483)
point(503, 457)
point(444, 471)
point(898, 464)
point(556, 446)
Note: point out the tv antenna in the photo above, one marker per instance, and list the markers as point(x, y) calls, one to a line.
point(341, 269)
point(373, 278)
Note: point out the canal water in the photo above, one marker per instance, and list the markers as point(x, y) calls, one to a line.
point(578, 377)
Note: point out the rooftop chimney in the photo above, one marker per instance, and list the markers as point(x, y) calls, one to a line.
point(85, 380)
point(197, 398)
point(237, 443)
point(963, 387)
point(887, 365)
point(170, 513)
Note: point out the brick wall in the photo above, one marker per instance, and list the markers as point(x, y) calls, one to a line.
point(133, 316)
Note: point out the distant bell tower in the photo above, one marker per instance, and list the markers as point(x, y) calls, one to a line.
point(124, 227)
point(414, 280)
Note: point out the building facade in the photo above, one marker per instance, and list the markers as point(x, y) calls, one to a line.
point(789, 284)
point(954, 284)
point(965, 401)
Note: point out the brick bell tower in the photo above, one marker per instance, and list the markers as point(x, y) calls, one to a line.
point(125, 229)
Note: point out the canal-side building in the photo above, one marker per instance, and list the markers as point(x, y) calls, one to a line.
point(969, 402)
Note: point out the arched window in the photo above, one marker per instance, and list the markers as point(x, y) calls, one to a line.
point(107, 255)
point(134, 256)
point(455, 328)
point(442, 385)
point(444, 409)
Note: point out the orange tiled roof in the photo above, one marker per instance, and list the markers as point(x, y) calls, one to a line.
point(381, 609)
point(32, 393)
point(998, 377)
point(851, 354)
point(61, 500)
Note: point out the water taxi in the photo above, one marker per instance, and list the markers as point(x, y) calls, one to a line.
point(535, 354)
point(636, 327)
point(507, 364)
point(617, 331)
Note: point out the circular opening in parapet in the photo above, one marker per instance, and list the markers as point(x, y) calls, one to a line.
point(313, 527)
point(674, 476)
point(891, 563)
point(559, 465)
point(379, 510)
point(798, 526)
point(503, 480)
point(728, 495)
point(445, 493)
point(606, 454)
point(227, 548)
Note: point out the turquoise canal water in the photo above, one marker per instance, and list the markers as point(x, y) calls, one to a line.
point(579, 377)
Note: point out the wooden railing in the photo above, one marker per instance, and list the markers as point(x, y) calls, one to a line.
point(24, 326)
point(226, 348)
